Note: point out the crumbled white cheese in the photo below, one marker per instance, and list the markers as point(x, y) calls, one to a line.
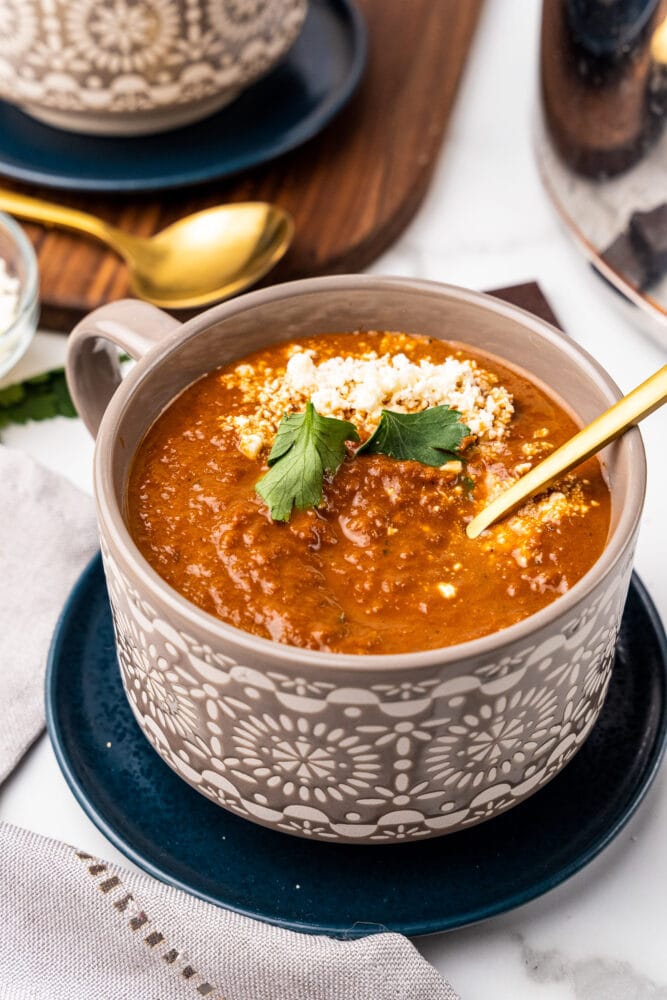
point(393, 382)
point(359, 388)
point(518, 537)
point(447, 590)
point(10, 291)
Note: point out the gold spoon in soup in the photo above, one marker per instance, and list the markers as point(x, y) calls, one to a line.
point(199, 259)
point(638, 404)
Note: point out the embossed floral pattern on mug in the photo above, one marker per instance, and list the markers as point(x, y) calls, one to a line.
point(384, 760)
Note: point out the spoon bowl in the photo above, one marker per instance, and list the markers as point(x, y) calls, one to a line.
point(202, 258)
point(208, 256)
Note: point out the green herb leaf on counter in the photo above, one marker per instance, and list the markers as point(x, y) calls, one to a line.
point(432, 436)
point(307, 446)
point(38, 398)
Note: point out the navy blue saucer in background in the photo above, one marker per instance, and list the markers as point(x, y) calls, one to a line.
point(179, 836)
point(284, 109)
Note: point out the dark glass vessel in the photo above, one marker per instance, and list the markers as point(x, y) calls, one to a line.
point(604, 81)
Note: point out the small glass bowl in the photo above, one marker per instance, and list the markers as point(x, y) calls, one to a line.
point(21, 262)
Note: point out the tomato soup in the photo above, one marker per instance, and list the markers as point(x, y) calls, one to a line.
point(383, 563)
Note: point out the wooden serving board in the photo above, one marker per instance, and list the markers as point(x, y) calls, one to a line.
point(351, 190)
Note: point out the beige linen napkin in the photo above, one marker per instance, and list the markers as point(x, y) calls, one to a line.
point(75, 928)
point(47, 535)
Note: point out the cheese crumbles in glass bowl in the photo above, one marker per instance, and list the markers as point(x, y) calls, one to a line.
point(19, 305)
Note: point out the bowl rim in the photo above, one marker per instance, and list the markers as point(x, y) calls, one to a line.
point(113, 527)
point(28, 288)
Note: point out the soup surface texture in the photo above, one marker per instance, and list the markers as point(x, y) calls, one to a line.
point(383, 565)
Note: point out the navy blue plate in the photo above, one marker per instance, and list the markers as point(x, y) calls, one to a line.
point(281, 111)
point(181, 837)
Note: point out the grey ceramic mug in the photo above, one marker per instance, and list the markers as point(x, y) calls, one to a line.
point(332, 746)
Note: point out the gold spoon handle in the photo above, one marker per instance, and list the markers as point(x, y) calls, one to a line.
point(638, 404)
point(50, 214)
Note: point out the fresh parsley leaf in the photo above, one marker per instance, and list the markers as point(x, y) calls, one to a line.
point(307, 446)
point(432, 436)
point(38, 398)
point(11, 394)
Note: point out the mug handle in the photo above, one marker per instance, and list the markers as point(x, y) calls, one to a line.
point(92, 367)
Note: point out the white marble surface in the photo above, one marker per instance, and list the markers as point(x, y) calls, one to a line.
point(486, 222)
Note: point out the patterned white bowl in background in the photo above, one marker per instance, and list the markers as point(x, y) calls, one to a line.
point(128, 67)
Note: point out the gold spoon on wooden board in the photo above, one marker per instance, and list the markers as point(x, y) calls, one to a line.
point(638, 404)
point(199, 259)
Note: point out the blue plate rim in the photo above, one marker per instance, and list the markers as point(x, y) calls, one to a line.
point(416, 928)
point(296, 136)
